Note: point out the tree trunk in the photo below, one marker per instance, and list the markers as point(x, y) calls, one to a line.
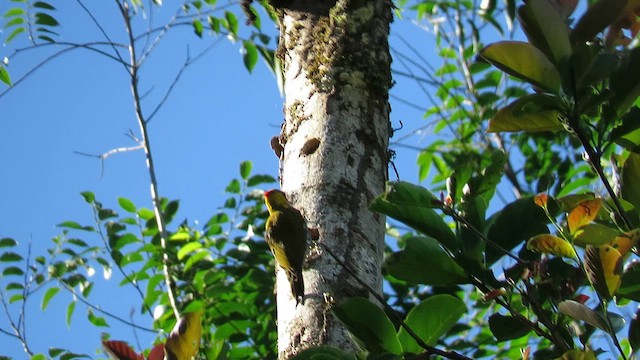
point(335, 138)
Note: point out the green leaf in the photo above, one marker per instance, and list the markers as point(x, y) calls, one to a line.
point(14, 12)
point(630, 285)
point(232, 23)
point(369, 324)
point(514, 224)
point(413, 205)
point(475, 201)
point(74, 225)
point(13, 22)
point(16, 297)
point(517, 117)
point(51, 292)
point(39, 357)
point(546, 29)
point(260, 179)
point(96, 320)
point(7, 242)
point(104, 214)
point(86, 289)
point(423, 261)
point(214, 24)
point(625, 82)
point(245, 169)
point(10, 257)
point(598, 69)
point(45, 19)
point(14, 286)
point(627, 134)
point(12, 270)
point(195, 258)
point(250, 55)
point(122, 241)
point(594, 234)
point(233, 187)
point(46, 38)
point(507, 327)
point(323, 353)
point(70, 309)
point(4, 74)
point(180, 236)
point(430, 320)
point(127, 205)
point(53, 352)
point(525, 62)
point(146, 214)
point(88, 196)
point(630, 176)
point(197, 27)
point(188, 248)
point(43, 5)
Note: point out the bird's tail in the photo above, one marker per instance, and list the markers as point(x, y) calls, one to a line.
point(297, 285)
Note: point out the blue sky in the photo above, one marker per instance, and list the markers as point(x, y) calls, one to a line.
point(217, 116)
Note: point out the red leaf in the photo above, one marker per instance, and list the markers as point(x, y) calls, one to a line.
point(157, 353)
point(120, 350)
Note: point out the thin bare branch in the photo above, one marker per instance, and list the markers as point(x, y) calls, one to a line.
point(188, 61)
point(105, 312)
point(17, 333)
point(155, 197)
point(71, 46)
point(163, 31)
point(104, 33)
point(104, 156)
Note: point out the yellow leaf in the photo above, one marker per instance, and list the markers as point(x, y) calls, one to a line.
point(184, 341)
point(603, 265)
point(583, 214)
point(626, 241)
point(551, 244)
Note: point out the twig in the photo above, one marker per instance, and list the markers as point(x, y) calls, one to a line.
point(612, 333)
point(15, 327)
point(454, 214)
point(22, 322)
point(594, 160)
point(105, 155)
point(187, 62)
point(428, 348)
point(35, 68)
point(104, 33)
point(109, 314)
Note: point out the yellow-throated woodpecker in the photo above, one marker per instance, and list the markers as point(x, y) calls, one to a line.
point(286, 234)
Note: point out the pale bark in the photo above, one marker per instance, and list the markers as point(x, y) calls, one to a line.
point(335, 137)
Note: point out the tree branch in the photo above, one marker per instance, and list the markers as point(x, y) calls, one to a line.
point(155, 197)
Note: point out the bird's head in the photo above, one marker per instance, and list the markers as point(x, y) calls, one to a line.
point(275, 199)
